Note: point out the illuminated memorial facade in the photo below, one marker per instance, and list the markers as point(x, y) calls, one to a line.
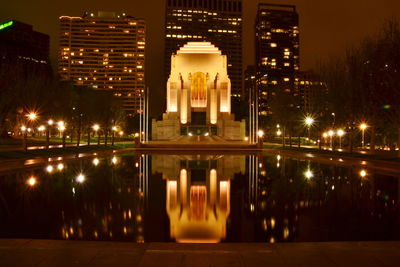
point(198, 96)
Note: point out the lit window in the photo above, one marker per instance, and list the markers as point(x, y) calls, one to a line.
point(273, 44)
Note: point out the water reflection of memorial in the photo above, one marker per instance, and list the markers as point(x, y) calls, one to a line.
point(198, 194)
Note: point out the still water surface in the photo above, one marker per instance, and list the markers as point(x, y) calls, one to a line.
point(199, 198)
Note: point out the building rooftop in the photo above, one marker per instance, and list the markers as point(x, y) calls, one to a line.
point(199, 48)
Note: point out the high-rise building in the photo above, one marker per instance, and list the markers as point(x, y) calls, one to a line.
point(105, 51)
point(277, 52)
point(215, 21)
point(19, 42)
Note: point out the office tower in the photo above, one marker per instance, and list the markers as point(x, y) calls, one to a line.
point(215, 21)
point(277, 53)
point(105, 51)
point(20, 43)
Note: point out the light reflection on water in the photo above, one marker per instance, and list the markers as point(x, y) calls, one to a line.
point(199, 198)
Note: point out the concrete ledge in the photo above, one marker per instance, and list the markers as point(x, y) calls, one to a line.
point(26, 252)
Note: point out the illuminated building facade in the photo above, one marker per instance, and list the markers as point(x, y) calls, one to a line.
point(198, 197)
point(215, 21)
point(277, 52)
point(105, 51)
point(20, 43)
point(198, 96)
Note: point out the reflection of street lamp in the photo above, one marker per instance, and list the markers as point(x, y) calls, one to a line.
point(96, 128)
point(340, 133)
point(363, 126)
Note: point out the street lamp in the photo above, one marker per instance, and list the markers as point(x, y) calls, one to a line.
point(363, 173)
point(41, 128)
point(363, 126)
point(96, 128)
point(114, 129)
point(32, 116)
point(331, 133)
point(308, 174)
point(325, 136)
point(61, 128)
point(340, 133)
point(61, 125)
point(309, 121)
point(25, 143)
point(50, 122)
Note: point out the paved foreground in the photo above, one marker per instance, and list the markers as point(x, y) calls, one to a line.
point(24, 252)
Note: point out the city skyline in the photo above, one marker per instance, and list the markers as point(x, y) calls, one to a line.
point(326, 29)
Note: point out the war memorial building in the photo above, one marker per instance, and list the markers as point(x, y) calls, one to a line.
point(198, 96)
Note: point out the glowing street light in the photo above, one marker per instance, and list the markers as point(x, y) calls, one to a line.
point(340, 133)
point(309, 121)
point(363, 126)
point(96, 161)
point(278, 133)
point(80, 178)
point(32, 116)
point(23, 128)
point(50, 122)
point(60, 166)
point(308, 174)
point(49, 169)
point(363, 173)
point(260, 133)
point(114, 129)
point(331, 133)
point(96, 128)
point(31, 181)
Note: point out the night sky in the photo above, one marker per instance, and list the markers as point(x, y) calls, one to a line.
point(327, 27)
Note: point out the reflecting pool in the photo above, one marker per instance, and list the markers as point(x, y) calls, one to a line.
point(202, 198)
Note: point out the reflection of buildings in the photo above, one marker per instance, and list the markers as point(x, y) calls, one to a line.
point(198, 96)
point(277, 52)
point(198, 194)
point(217, 21)
point(104, 51)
